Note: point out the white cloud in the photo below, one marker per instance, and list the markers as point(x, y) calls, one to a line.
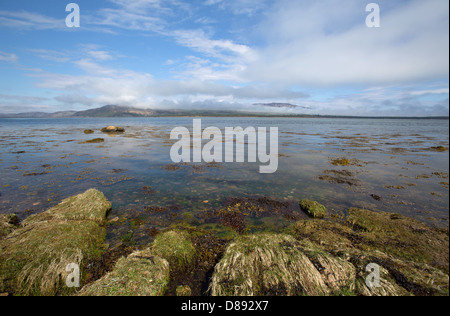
point(100, 55)
point(8, 57)
point(311, 43)
point(52, 55)
point(30, 20)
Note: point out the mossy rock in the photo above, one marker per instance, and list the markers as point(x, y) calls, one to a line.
point(140, 274)
point(176, 247)
point(401, 237)
point(89, 132)
point(266, 264)
point(34, 257)
point(8, 223)
point(326, 235)
point(313, 209)
point(91, 205)
point(413, 257)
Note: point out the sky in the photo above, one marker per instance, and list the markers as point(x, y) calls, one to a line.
point(227, 55)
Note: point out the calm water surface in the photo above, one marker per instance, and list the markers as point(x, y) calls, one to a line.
point(393, 167)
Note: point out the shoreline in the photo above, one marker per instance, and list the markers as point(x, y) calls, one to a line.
point(340, 245)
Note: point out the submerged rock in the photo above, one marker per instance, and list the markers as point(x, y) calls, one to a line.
point(439, 149)
point(141, 274)
point(94, 141)
point(34, 257)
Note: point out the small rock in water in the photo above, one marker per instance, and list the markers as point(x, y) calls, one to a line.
point(376, 197)
point(113, 129)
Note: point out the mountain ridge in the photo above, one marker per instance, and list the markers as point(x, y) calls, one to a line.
point(128, 111)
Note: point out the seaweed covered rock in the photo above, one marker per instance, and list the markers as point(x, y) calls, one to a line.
point(140, 274)
point(313, 209)
point(91, 205)
point(8, 223)
point(34, 257)
point(338, 256)
point(176, 247)
point(413, 258)
point(266, 264)
point(401, 237)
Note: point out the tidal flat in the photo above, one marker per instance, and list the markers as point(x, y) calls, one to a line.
point(381, 165)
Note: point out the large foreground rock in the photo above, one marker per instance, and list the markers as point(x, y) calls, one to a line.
point(266, 264)
point(34, 257)
point(148, 272)
point(326, 257)
point(141, 274)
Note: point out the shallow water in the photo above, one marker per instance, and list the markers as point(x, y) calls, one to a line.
point(392, 168)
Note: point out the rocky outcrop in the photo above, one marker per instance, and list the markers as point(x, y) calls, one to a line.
point(34, 257)
point(340, 256)
point(336, 257)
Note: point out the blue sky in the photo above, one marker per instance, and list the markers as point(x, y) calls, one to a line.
point(226, 54)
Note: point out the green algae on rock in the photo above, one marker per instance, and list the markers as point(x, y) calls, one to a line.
point(330, 257)
point(8, 223)
point(413, 257)
point(140, 274)
point(91, 205)
point(34, 257)
point(175, 247)
point(313, 209)
point(266, 264)
point(401, 236)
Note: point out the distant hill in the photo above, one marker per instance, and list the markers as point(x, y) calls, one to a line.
point(282, 105)
point(39, 115)
point(115, 111)
point(126, 111)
